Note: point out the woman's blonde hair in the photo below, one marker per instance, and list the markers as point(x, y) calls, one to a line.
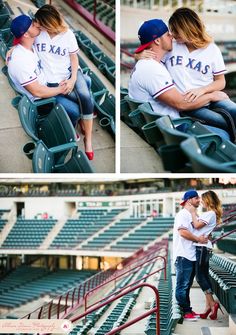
point(187, 25)
point(49, 18)
point(212, 202)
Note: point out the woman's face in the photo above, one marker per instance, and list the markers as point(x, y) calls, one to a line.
point(203, 203)
point(177, 37)
point(41, 28)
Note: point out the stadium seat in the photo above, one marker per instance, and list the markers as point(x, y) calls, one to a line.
point(105, 108)
point(45, 160)
point(210, 154)
point(5, 22)
point(153, 135)
point(43, 120)
point(6, 39)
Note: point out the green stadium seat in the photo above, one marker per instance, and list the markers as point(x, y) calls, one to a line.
point(46, 121)
point(45, 160)
point(105, 107)
point(210, 154)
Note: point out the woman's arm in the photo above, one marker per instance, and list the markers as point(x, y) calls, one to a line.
point(217, 85)
point(196, 222)
point(70, 83)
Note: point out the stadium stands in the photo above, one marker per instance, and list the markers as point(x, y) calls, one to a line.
point(28, 233)
point(26, 284)
point(78, 230)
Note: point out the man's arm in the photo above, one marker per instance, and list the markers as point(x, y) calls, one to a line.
point(191, 237)
point(175, 99)
point(42, 91)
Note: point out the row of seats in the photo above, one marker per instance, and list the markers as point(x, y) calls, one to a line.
point(28, 233)
point(183, 144)
point(75, 232)
point(112, 233)
point(228, 244)
point(222, 275)
point(169, 310)
point(42, 282)
point(105, 11)
point(104, 63)
point(145, 234)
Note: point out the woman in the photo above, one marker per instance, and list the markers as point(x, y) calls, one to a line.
point(204, 225)
point(57, 49)
point(197, 67)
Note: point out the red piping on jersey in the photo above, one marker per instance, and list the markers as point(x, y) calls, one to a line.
point(74, 52)
point(162, 90)
point(28, 82)
point(218, 72)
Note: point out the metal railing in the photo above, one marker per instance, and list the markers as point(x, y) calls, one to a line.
point(92, 19)
point(132, 270)
point(135, 320)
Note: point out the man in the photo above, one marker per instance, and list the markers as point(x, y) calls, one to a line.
point(184, 253)
point(25, 70)
point(151, 82)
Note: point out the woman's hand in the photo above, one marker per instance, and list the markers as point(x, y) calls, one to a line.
point(190, 208)
point(69, 85)
point(145, 54)
point(194, 94)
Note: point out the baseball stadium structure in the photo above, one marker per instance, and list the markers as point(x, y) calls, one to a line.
point(99, 253)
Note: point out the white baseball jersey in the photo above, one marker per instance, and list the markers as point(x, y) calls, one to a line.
point(54, 54)
point(209, 218)
point(149, 79)
point(181, 246)
point(196, 68)
point(24, 68)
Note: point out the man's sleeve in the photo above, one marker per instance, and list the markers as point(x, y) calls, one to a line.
point(182, 221)
point(26, 73)
point(158, 81)
point(218, 65)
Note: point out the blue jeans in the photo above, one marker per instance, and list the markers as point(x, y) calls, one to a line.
point(220, 114)
point(82, 95)
point(222, 133)
point(185, 271)
point(70, 106)
point(202, 269)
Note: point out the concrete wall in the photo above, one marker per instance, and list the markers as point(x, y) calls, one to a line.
point(63, 207)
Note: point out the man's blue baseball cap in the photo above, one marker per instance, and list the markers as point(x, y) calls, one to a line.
point(189, 195)
point(149, 31)
point(19, 26)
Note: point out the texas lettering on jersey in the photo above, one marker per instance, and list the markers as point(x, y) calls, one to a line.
point(51, 49)
point(191, 64)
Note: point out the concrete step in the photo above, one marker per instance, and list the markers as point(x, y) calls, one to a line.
point(215, 331)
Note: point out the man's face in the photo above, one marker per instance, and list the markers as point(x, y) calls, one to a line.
point(166, 41)
point(34, 30)
point(195, 202)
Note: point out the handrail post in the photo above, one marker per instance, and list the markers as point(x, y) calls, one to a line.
point(58, 307)
point(94, 9)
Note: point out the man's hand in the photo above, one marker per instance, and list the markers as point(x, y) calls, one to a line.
point(202, 239)
point(218, 96)
point(193, 94)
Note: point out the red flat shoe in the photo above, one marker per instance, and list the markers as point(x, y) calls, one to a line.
point(90, 155)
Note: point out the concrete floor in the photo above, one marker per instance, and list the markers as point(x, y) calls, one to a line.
point(12, 136)
point(136, 155)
